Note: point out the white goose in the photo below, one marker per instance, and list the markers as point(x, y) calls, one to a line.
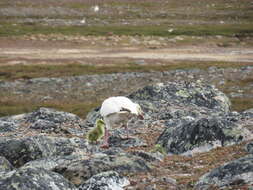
point(117, 111)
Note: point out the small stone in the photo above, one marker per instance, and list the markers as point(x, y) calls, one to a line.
point(151, 187)
point(109, 180)
point(169, 180)
point(249, 147)
point(5, 165)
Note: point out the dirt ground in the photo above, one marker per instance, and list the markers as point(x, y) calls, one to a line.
point(21, 51)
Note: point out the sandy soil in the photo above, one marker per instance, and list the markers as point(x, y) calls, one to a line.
point(16, 52)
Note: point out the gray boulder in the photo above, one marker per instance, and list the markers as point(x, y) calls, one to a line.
point(161, 97)
point(200, 135)
point(5, 165)
point(34, 178)
point(53, 115)
point(109, 180)
point(237, 172)
point(22, 150)
point(45, 120)
point(123, 163)
point(49, 120)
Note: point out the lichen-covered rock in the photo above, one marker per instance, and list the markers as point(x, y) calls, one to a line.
point(183, 94)
point(22, 150)
point(149, 156)
point(118, 141)
point(7, 126)
point(50, 120)
point(45, 120)
point(201, 135)
point(92, 116)
point(5, 165)
point(50, 163)
point(109, 180)
point(123, 163)
point(237, 172)
point(34, 178)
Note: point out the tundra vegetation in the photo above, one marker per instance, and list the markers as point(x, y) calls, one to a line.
point(28, 82)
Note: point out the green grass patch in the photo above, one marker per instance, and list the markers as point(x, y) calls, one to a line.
point(12, 72)
point(190, 30)
point(241, 104)
point(77, 5)
point(12, 106)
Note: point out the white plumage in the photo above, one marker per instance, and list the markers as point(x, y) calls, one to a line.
point(117, 111)
point(83, 21)
point(96, 8)
point(116, 104)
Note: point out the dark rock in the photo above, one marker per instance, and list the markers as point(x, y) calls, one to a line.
point(109, 180)
point(43, 120)
point(7, 126)
point(50, 163)
point(34, 178)
point(93, 115)
point(237, 172)
point(23, 150)
point(52, 115)
point(5, 165)
point(202, 135)
point(248, 113)
point(249, 147)
point(117, 141)
point(123, 163)
point(148, 156)
point(50, 120)
point(10, 125)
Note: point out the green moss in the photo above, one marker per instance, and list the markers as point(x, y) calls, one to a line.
point(241, 104)
point(183, 93)
point(233, 133)
point(159, 148)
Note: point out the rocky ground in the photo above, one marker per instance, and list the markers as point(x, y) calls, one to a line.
point(191, 121)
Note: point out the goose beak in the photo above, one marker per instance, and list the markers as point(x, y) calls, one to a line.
point(141, 116)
